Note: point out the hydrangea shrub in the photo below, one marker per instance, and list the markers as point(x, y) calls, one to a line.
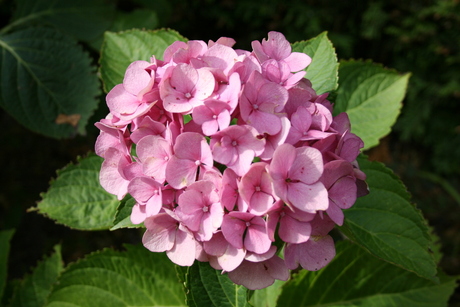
point(238, 164)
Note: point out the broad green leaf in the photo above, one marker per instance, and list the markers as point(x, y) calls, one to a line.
point(356, 278)
point(322, 72)
point(36, 287)
point(267, 297)
point(372, 97)
point(206, 286)
point(388, 225)
point(47, 82)
point(76, 199)
point(5, 237)
point(123, 215)
point(136, 277)
point(121, 49)
point(84, 19)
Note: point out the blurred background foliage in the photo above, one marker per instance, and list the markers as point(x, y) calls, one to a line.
point(422, 37)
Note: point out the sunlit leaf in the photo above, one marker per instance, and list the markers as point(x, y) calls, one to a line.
point(76, 199)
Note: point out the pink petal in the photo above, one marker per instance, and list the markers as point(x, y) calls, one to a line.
point(256, 239)
point(293, 231)
point(312, 255)
point(160, 234)
point(136, 77)
point(184, 250)
point(180, 172)
point(307, 166)
point(308, 198)
point(252, 275)
point(233, 230)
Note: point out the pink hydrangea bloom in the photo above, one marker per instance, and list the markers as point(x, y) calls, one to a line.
point(231, 155)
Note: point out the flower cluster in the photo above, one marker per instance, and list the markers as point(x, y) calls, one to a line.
point(231, 155)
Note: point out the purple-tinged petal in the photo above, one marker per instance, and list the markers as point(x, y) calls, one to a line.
point(312, 255)
point(252, 275)
point(293, 231)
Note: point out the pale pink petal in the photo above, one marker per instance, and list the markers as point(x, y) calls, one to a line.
point(138, 214)
point(307, 166)
point(121, 102)
point(136, 77)
point(256, 239)
point(283, 158)
point(297, 61)
point(180, 172)
point(184, 250)
point(160, 234)
point(253, 257)
point(308, 198)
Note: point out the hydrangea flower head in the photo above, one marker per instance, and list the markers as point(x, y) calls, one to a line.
point(229, 155)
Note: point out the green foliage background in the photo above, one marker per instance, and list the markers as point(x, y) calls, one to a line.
point(421, 37)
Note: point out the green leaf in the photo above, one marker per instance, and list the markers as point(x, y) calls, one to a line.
point(388, 225)
point(123, 215)
point(206, 286)
point(136, 277)
point(5, 237)
point(47, 82)
point(322, 72)
point(267, 297)
point(84, 19)
point(36, 287)
point(355, 278)
point(121, 49)
point(372, 97)
point(76, 199)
